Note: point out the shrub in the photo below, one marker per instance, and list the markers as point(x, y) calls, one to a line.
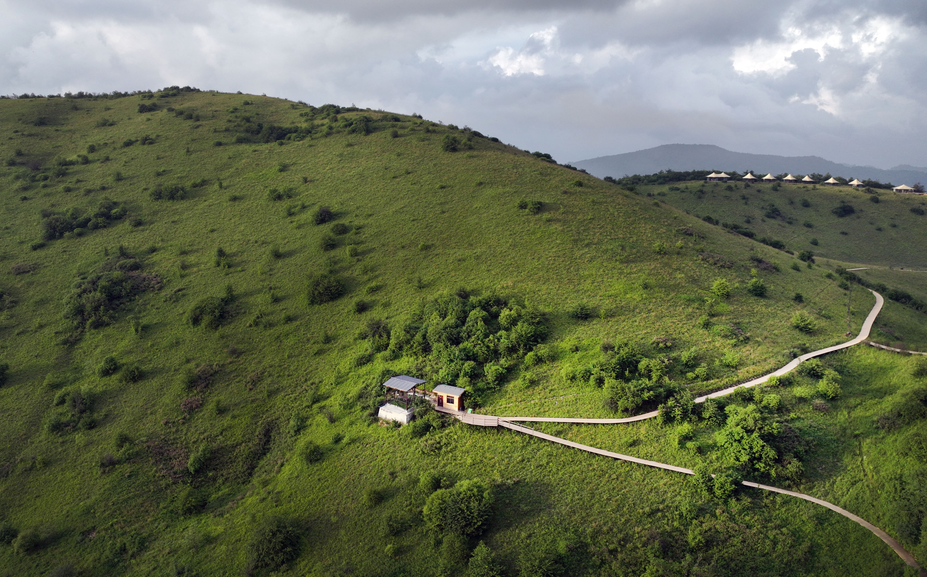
point(756, 287)
point(843, 210)
point(133, 374)
point(324, 288)
point(462, 510)
point(109, 366)
point(312, 453)
point(222, 259)
point(811, 368)
point(806, 256)
point(721, 288)
point(919, 369)
point(450, 143)
point(198, 459)
point(327, 243)
point(803, 322)
point(323, 215)
point(273, 544)
point(483, 563)
point(581, 312)
point(797, 297)
point(430, 481)
point(209, 312)
point(4, 369)
point(829, 386)
point(7, 533)
point(339, 228)
point(28, 541)
point(373, 497)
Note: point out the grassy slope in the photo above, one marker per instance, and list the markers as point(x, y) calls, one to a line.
point(423, 221)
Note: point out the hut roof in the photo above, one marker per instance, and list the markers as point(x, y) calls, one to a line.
point(403, 383)
point(790, 177)
point(856, 182)
point(807, 179)
point(831, 180)
point(750, 176)
point(903, 187)
point(449, 390)
point(769, 177)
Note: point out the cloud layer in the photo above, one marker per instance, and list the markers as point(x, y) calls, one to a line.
point(841, 80)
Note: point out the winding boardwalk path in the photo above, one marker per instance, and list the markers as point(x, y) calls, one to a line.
point(510, 423)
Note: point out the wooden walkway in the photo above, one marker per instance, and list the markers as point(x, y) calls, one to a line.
point(893, 349)
point(509, 423)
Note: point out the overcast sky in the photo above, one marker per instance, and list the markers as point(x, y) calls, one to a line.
point(842, 79)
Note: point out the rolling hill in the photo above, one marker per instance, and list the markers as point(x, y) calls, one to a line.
point(683, 157)
point(201, 295)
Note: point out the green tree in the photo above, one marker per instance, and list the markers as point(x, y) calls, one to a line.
point(483, 563)
point(462, 510)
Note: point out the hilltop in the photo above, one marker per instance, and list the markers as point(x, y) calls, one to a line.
point(685, 157)
point(202, 293)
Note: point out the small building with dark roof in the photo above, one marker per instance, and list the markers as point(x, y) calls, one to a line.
point(449, 397)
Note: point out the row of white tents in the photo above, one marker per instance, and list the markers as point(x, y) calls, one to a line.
point(722, 177)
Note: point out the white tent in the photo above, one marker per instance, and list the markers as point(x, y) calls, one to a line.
point(903, 188)
point(769, 178)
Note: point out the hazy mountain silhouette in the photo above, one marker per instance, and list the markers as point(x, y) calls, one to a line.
point(711, 157)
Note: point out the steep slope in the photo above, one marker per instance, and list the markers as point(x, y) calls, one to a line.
point(202, 293)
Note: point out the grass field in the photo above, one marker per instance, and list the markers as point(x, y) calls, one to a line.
point(180, 233)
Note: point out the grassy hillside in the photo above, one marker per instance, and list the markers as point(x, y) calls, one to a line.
point(202, 292)
point(879, 228)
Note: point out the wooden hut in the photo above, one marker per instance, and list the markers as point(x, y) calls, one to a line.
point(449, 397)
point(400, 391)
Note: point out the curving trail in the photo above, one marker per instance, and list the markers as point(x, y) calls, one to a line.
point(509, 423)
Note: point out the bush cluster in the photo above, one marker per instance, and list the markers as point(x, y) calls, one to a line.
point(172, 192)
point(77, 221)
point(94, 301)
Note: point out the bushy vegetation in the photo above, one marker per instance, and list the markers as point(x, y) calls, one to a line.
point(275, 542)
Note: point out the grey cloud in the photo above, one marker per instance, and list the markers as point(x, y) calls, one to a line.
point(378, 11)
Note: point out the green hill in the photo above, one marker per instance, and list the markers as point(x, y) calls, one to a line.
point(202, 294)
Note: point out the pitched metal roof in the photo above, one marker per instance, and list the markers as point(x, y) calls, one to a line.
point(449, 390)
point(403, 383)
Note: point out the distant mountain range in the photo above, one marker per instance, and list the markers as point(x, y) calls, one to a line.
point(710, 157)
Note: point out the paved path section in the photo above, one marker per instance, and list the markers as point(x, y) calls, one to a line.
point(509, 423)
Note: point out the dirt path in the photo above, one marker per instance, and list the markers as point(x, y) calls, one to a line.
point(509, 423)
